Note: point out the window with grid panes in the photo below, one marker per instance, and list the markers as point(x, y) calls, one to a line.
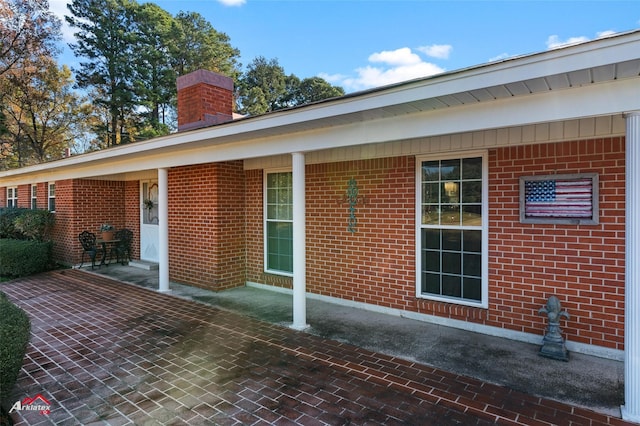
point(52, 197)
point(278, 222)
point(12, 197)
point(34, 197)
point(452, 257)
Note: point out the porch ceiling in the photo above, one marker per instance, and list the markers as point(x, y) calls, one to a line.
point(585, 80)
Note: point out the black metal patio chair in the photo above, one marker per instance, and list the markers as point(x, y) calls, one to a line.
point(123, 246)
point(89, 247)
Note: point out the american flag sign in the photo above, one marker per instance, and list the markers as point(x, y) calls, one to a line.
point(561, 198)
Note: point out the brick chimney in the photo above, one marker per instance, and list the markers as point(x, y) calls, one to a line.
point(205, 98)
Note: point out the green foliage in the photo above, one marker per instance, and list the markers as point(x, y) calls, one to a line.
point(134, 52)
point(41, 111)
point(26, 224)
point(195, 45)
point(35, 224)
point(21, 258)
point(14, 337)
point(315, 89)
point(106, 38)
point(7, 225)
point(155, 77)
point(262, 86)
point(29, 33)
point(265, 87)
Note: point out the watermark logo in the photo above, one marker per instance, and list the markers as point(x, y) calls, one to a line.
point(37, 403)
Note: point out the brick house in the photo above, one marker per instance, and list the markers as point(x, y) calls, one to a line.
point(439, 199)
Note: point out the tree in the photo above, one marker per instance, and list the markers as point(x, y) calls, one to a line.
point(41, 112)
point(154, 74)
point(262, 88)
point(315, 89)
point(27, 30)
point(106, 40)
point(195, 45)
point(265, 87)
point(134, 53)
point(28, 36)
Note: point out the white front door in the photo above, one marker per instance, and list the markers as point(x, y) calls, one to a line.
point(149, 237)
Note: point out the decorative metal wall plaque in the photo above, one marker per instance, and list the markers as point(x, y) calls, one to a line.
point(352, 198)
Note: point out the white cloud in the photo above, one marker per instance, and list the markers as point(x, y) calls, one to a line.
point(606, 33)
point(553, 42)
point(399, 57)
point(499, 57)
point(232, 2)
point(333, 78)
point(385, 67)
point(440, 51)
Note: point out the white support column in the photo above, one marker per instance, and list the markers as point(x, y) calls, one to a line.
point(631, 409)
point(163, 230)
point(299, 243)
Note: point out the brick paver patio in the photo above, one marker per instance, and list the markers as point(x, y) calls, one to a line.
point(103, 352)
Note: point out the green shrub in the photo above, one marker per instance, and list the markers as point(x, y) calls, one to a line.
point(7, 217)
point(20, 258)
point(26, 224)
point(14, 336)
point(35, 224)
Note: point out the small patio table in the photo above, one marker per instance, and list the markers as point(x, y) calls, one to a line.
point(104, 243)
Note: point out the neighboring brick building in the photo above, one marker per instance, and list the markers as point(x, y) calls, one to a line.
point(439, 199)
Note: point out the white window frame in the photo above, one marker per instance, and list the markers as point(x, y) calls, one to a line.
point(484, 228)
point(12, 196)
point(51, 195)
point(34, 197)
point(267, 172)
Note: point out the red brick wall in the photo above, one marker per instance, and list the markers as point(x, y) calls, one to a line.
point(373, 265)
point(24, 196)
point(255, 236)
point(132, 205)
point(42, 195)
point(66, 247)
point(207, 225)
point(582, 264)
point(85, 205)
point(376, 263)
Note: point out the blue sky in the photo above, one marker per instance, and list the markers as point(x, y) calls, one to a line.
point(359, 44)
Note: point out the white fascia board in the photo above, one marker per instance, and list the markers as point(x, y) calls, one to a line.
point(590, 101)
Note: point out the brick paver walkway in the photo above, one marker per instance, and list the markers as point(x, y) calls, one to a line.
point(103, 352)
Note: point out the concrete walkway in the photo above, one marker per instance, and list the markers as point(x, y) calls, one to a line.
point(104, 352)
